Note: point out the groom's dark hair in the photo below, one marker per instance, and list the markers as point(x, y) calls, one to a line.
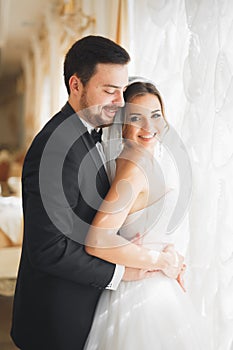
point(86, 53)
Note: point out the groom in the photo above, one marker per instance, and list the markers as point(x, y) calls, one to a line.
point(63, 183)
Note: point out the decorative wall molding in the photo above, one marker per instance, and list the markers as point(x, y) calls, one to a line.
point(73, 20)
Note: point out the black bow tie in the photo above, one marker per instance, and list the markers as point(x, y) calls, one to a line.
point(96, 135)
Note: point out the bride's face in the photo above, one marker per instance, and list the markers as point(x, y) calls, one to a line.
point(144, 121)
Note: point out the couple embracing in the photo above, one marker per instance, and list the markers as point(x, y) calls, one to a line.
point(97, 270)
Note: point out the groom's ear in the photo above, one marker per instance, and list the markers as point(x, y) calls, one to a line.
point(75, 84)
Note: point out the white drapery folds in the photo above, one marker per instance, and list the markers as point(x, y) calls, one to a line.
point(186, 48)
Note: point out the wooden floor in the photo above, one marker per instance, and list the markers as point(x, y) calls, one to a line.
point(5, 323)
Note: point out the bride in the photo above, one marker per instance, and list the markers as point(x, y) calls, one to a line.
point(155, 313)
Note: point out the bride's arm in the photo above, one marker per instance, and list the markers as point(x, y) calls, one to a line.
point(102, 239)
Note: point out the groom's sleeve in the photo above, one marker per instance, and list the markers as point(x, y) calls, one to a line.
point(49, 224)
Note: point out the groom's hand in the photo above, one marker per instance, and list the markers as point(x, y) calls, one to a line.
point(137, 239)
point(132, 274)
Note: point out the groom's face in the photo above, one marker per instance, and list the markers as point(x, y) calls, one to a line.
point(102, 96)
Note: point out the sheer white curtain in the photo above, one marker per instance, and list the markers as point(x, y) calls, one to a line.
point(186, 47)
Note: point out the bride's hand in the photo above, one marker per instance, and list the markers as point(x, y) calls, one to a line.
point(170, 262)
point(180, 279)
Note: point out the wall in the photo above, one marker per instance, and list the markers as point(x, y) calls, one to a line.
point(11, 114)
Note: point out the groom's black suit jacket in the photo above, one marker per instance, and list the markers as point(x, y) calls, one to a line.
point(58, 284)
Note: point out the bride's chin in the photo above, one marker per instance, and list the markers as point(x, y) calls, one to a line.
point(148, 144)
point(140, 146)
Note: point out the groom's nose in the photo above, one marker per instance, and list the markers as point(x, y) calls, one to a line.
point(119, 99)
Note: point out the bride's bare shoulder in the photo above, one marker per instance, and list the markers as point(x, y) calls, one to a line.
point(130, 163)
point(134, 155)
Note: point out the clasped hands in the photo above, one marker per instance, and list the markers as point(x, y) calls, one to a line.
point(170, 262)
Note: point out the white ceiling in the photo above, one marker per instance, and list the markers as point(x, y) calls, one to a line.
point(19, 20)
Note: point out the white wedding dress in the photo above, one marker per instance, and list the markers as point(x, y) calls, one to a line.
point(154, 313)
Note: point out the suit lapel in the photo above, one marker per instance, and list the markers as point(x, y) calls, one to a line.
point(90, 146)
point(94, 153)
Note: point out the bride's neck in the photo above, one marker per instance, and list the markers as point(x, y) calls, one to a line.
point(138, 150)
